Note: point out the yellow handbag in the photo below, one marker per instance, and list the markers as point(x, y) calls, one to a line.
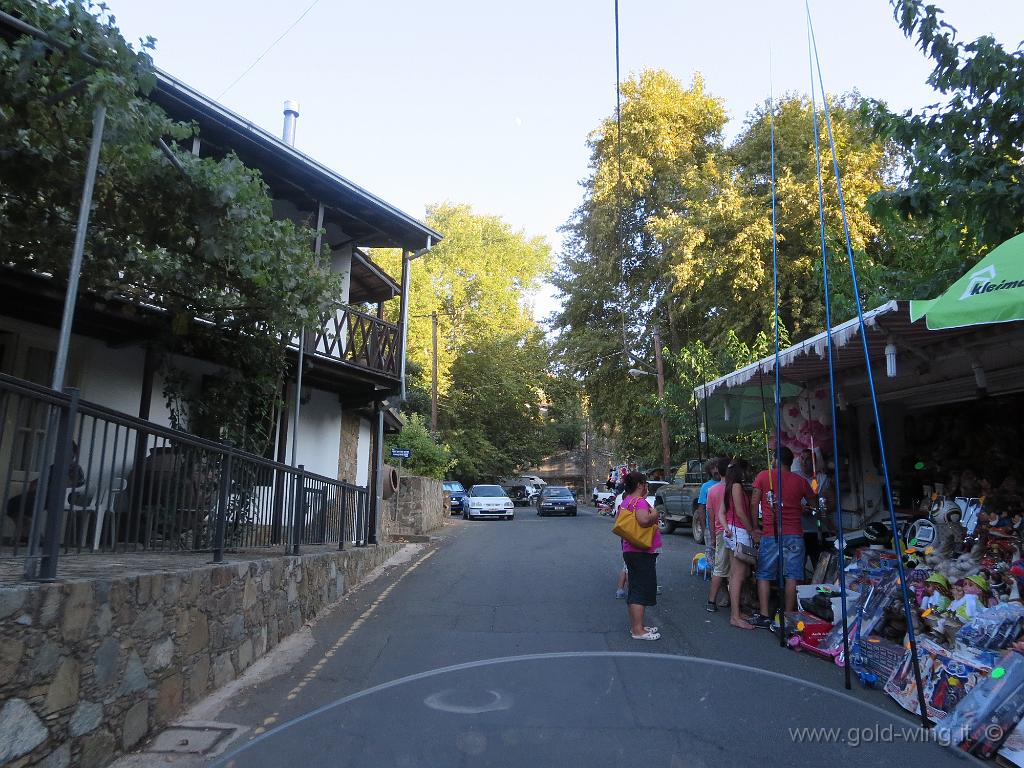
point(628, 529)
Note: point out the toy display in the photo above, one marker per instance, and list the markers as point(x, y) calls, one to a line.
point(983, 720)
point(947, 679)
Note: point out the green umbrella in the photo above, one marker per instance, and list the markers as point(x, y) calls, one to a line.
point(992, 292)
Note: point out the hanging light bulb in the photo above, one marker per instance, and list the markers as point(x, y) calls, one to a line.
point(890, 359)
point(841, 400)
point(980, 379)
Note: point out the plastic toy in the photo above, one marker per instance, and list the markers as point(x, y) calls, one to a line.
point(700, 566)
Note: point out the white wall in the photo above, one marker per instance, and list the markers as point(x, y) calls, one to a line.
point(363, 457)
point(319, 430)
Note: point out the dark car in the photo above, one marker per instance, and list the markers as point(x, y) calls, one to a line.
point(457, 493)
point(556, 500)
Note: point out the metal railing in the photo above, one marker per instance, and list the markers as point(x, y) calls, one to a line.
point(116, 483)
point(360, 339)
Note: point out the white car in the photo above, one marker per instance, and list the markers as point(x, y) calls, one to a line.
point(652, 488)
point(488, 501)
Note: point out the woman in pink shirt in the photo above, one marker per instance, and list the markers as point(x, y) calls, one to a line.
point(640, 563)
point(734, 517)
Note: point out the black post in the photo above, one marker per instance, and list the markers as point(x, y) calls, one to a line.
point(344, 511)
point(57, 489)
point(299, 516)
point(223, 496)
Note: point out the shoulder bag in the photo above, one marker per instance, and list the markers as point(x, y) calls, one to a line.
point(629, 529)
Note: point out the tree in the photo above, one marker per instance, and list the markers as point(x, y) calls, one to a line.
point(697, 243)
point(563, 413)
point(479, 280)
point(491, 357)
point(428, 458)
point(962, 192)
point(194, 236)
point(492, 415)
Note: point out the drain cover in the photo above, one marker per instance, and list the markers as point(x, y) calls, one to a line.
point(190, 740)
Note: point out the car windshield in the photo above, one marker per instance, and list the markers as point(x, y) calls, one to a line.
point(487, 490)
point(450, 487)
point(557, 491)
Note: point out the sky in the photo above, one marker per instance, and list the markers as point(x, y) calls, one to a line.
point(490, 103)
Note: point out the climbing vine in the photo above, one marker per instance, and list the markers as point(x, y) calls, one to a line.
point(192, 239)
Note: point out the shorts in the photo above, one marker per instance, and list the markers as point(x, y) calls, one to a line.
point(643, 578)
point(793, 556)
point(742, 537)
point(720, 555)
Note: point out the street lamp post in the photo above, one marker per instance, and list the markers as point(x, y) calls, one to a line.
point(666, 454)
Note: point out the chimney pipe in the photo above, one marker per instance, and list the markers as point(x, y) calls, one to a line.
point(291, 116)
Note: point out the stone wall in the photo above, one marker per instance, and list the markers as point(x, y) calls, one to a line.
point(417, 508)
point(89, 667)
point(348, 454)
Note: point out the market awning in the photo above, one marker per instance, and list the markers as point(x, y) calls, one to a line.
point(928, 363)
point(808, 359)
point(992, 292)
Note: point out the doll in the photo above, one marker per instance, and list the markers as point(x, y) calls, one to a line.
point(972, 588)
point(936, 593)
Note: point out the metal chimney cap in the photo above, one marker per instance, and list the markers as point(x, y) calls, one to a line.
point(291, 107)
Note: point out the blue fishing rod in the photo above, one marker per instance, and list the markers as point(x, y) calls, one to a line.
point(831, 377)
point(925, 721)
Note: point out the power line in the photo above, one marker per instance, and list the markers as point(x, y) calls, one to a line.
point(269, 49)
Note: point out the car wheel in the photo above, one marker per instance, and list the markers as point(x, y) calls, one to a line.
point(697, 529)
point(664, 525)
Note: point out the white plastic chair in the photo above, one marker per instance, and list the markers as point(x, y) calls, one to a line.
point(107, 505)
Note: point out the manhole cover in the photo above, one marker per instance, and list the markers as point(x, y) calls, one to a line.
point(190, 740)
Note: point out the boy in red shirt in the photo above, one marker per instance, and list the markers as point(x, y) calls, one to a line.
point(795, 491)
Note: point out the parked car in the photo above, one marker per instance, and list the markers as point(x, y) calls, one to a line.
point(457, 493)
point(522, 494)
point(556, 499)
point(676, 501)
point(488, 501)
point(602, 495)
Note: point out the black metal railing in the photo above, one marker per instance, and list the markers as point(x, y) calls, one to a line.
point(354, 337)
point(76, 477)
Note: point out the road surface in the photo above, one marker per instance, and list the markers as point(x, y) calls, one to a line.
point(510, 649)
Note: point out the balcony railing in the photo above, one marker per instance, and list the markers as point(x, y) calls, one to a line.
point(122, 484)
point(350, 336)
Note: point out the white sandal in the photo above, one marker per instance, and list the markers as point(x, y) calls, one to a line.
point(646, 636)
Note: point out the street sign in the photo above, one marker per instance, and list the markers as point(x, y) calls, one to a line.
point(400, 453)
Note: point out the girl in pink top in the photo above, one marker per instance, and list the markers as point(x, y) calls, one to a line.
point(734, 517)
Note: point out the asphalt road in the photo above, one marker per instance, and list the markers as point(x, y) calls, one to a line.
point(510, 649)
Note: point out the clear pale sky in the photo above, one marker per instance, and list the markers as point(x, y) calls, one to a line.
point(490, 103)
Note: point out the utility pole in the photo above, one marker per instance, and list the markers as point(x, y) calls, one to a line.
point(666, 455)
point(433, 378)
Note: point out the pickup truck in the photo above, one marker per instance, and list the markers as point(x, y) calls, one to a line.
point(677, 500)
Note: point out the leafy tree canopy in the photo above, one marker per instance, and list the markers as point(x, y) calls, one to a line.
point(963, 157)
point(194, 236)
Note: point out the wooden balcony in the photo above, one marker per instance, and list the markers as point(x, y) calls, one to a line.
point(356, 338)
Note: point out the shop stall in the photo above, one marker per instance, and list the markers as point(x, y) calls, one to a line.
point(949, 388)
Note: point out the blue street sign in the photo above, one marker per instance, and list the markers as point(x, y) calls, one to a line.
point(400, 453)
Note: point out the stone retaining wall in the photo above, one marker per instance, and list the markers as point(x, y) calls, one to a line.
point(417, 508)
point(89, 667)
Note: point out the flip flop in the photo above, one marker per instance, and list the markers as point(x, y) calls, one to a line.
point(646, 636)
